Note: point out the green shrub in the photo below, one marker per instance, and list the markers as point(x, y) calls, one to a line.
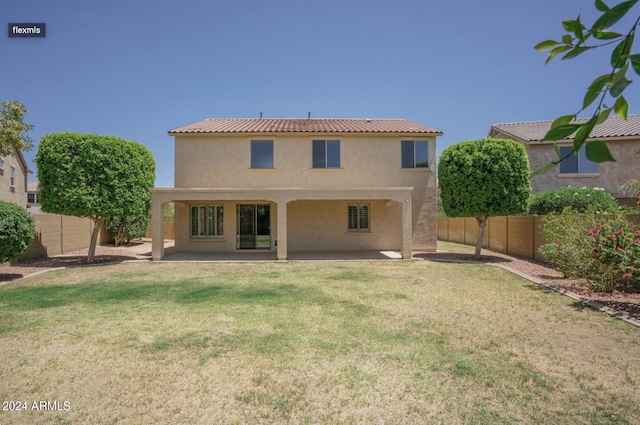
point(602, 250)
point(124, 229)
point(16, 231)
point(568, 241)
point(615, 254)
point(580, 200)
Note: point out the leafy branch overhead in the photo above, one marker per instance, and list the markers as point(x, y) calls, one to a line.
point(577, 40)
point(13, 130)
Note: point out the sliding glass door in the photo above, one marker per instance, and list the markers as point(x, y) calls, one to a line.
point(254, 226)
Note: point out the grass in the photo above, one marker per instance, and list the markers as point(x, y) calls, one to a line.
point(311, 343)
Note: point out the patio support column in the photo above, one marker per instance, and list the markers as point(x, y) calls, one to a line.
point(157, 230)
point(406, 228)
point(282, 229)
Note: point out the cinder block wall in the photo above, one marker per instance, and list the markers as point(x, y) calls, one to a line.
point(515, 235)
point(59, 234)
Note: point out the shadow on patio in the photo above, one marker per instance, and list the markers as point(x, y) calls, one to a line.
point(267, 255)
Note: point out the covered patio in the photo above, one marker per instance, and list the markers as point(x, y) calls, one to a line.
point(280, 198)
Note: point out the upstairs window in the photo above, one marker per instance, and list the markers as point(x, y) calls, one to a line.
point(1, 167)
point(576, 164)
point(358, 217)
point(326, 153)
point(207, 221)
point(415, 154)
point(13, 177)
point(262, 154)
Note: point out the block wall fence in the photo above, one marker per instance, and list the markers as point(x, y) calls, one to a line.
point(61, 234)
point(520, 236)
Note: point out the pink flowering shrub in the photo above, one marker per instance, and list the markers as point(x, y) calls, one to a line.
point(615, 254)
point(603, 250)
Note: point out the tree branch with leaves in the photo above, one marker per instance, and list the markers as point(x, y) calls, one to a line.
point(578, 40)
point(13, 129)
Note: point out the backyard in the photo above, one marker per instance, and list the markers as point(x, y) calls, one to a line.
point(309, 343)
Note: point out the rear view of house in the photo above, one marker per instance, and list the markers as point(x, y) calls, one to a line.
point(301, 185)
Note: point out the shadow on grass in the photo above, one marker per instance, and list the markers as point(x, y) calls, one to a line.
point(105, 293)
point(8, 277)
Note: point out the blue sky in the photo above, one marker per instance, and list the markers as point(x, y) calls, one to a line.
point(136, 69)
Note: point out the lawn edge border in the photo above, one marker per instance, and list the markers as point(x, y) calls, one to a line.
point(590, 303)
point(53, 269)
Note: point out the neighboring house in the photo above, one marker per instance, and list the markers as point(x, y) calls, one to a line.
point(13, 178)
point(621, 136)
point(33, 196)
point(301, 185)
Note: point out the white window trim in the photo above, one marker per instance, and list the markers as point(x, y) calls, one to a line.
point(359, 230)
point(206, 236)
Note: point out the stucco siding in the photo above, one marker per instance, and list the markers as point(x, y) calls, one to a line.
point(322, 225)
point(17, 195)
point(202, 162)
point(610, 175)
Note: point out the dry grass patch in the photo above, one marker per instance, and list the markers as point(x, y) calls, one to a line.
point(351, 343)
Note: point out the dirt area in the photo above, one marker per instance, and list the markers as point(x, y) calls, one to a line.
point(109, 254)
point(626, 302)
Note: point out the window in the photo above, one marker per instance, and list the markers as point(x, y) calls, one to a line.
point(576, 164)
point(358, 217)
point(206, 221)
point(13, 177)
point(1, 167)
point(262, 154)
point(415, 154)
point(31, 198)
point(326, 154)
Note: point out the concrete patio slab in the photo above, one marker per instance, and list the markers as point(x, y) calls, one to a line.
point(257, 255)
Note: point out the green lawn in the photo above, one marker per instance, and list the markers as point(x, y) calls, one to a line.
point(396, 342)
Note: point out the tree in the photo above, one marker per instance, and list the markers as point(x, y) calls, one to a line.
point(124, 229)
point(482, 178)
point(13, 129)
point(16, 231)
point(98, 177)
point(577, 40)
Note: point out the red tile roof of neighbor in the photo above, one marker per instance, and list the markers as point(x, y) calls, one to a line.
point(305, 125)
point(534, 131)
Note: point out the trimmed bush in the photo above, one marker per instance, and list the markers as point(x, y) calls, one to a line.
point(483, 178)
point(94, 176)
point(124, 229)
point(16, 231)
point(579, 200)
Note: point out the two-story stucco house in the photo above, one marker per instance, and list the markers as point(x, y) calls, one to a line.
point(13, 178)
point(304, 184)
point(621, 136)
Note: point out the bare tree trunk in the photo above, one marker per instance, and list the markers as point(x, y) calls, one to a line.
point(482, 223)
point(94, 238)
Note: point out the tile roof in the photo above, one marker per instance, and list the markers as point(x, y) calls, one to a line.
point(304, 125)
point(33, 186)
point(534, 131)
